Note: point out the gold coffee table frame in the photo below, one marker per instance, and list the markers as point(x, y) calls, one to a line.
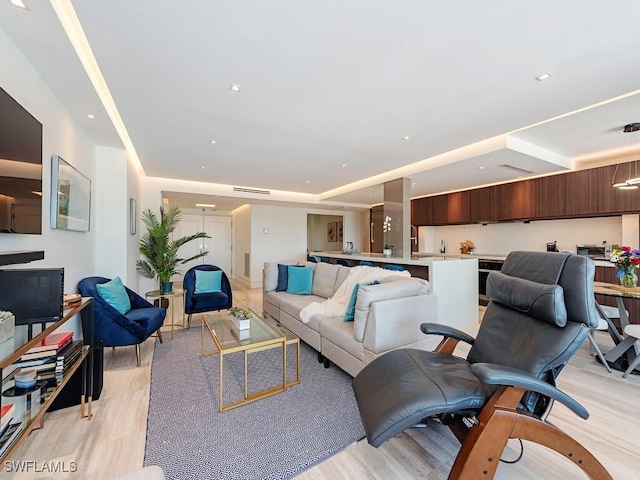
point(263, 335)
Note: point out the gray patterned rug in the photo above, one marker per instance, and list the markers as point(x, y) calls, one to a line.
point(273, 438)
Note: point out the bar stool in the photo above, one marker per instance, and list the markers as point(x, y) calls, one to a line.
point(394, 267)
point(632, 330)
point(343, 261)
point(603, 326)
point(364, 263)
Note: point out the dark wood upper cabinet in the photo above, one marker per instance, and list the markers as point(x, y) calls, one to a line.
point(458, 208)
point(584, 193)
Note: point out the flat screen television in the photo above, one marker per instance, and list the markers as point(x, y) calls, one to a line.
point(20, 168)
point(33, 295)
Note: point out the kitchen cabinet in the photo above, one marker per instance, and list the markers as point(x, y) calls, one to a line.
point(585, 193)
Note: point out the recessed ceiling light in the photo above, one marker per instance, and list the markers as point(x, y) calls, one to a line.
point(234, 88)
point(480, 168)
point(205, 205)
point(202, 168)
point(91, 116)
point(413, 184)
point(370, 193)
point(213, 142)
point(20, 4)
point(544, 76)
point(308, 181)
point(344, 165)
point(406, 137)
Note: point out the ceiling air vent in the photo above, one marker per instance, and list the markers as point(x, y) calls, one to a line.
point(519, 170)
point(251, 190)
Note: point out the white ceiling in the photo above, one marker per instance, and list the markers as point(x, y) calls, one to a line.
point(333, 83)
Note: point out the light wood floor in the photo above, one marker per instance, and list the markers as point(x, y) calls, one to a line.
point(113, 442)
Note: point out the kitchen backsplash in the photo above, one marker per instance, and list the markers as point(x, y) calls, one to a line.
point(502, 238)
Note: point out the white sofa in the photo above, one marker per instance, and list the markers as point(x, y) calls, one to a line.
point(387, 315)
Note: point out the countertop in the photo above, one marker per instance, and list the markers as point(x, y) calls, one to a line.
point(416, 257)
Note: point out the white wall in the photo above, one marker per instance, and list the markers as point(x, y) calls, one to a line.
point(74, 251)
point(112, 205)
point(242, 242)
point(501, 238)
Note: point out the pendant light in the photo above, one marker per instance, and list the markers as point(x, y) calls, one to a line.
point(632, 179)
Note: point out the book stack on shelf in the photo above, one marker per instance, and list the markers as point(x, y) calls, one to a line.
point(51, 359)
point(9, 429)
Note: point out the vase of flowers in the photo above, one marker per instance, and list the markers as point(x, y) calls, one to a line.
point(386, 228)
point(627, 260)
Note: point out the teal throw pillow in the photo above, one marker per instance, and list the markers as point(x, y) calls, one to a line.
point(300, 280)
point(208, 281)
point(351, 306)
point(114, 294)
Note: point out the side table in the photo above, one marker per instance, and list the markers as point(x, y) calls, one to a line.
point(171, 299)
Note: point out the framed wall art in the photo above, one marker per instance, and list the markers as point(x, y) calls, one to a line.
point(332, 232)
point(133, 216)
point(70, 197)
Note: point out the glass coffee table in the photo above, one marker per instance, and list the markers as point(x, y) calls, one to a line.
point(260, 336)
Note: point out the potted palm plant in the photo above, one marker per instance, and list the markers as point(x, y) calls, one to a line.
point(160, 251)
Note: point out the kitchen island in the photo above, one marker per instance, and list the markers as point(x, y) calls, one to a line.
point(453, 278)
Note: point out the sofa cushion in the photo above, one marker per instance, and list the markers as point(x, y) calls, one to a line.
point(324, 279)
point(351, 306)
point(383, 291)
point(292, 304)
point(271, 274)
point(343, 273)
point(340, 333)
point(300, 280)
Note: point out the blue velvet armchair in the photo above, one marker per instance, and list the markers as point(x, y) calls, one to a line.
point(113, 329)
point(205, 302)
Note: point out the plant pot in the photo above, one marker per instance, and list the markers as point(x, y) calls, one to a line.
point(166, 288)
point(387, 252)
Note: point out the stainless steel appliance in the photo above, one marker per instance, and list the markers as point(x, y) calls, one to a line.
point(594, 252)
point(484, 267)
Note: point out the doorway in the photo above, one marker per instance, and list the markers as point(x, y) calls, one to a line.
point(217, 248)
point(325, 233)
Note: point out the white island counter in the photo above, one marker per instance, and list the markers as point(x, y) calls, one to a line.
point(454, 279)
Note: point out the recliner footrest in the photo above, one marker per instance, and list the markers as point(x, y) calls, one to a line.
point(402, 387)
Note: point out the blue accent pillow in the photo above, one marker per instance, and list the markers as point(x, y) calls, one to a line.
point(351, 307)
point(208, 281)
point(300, 281)
point(114, 294)
point(283, 278)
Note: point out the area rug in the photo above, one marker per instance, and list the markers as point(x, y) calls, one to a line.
point(273, 438)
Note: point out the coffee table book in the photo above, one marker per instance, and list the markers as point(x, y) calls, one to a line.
point(52, 343)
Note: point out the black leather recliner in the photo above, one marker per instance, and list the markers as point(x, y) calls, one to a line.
point(540, 311)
